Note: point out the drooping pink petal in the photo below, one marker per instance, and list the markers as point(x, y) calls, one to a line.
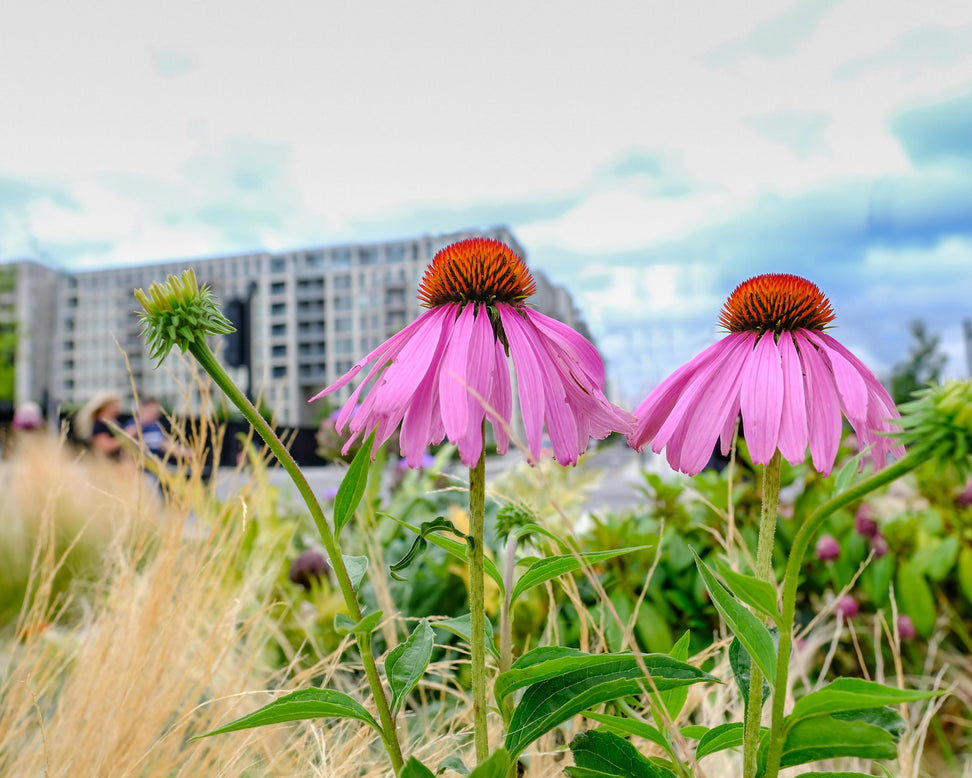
point(761, 398)
point(453, 392)
point(692, 445)
point(422, 413)
point(530, 383)
point(823, 405)
point(386, 350)
point(479, 380)
point(652, 412)
point(793, 423)
point(850, 382)
point(571, 344)
point(501, 398)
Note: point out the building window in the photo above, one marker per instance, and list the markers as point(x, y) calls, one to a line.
point(342, 281)
point(367, 255)
point(342, 304)
point(278, 287)
point(344, 346)
point(279, 350)
point(279, 371)
point(395, 252)
point(314, 259)
point(278, 309)
point(278, 264)
point(344, 365)
point(342, 324)
point(278, 329)
point(341, 258)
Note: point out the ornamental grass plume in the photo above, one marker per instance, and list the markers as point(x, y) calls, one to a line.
point(447, 371)
point(788, 378)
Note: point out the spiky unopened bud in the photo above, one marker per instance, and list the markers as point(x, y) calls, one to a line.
point(939, 423)
point(179, 313)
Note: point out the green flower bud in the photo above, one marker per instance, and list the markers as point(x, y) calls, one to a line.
point(179, 313)
point(939, 423)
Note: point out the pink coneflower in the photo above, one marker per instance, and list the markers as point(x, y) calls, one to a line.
point(788, 378)
point(443, 373)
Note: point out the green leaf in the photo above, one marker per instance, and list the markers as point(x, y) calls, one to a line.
point(452, 763)
point(438, 524)
point(548, 568)
point(301, 705)
point(456, 549)
point(887, 719)
point(835, 775)
point(548, 662)
point(598, 753)
point(719, 739)
point(694, 731)
point(750, 630)
point(353, 485)
point(623, 726)
point(674, 699)
point(415, 769)
point(846, 474)
point(356, 566)
point(344, 624)
point(915, 598)
point(562, 687)
point(944, 556)
point(406, 663)
point(757, 594)
point(824, 737)
point(846, 694)
point(461, 627)
point(965, 573)
point(742, 666)
point(494, 767)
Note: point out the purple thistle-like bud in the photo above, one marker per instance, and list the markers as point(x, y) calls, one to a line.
point(847, 607)
point(906, 628)
point(864, 522)
point(310, 566)
point(828, 549)
point(880, 545)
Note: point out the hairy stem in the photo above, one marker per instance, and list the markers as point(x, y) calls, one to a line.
point(791, 580)
point(477, 604)
point(201, 351)
point(764, 572)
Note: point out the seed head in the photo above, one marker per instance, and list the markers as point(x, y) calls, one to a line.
point(477, 270)
point(939, 424)
point(776, 302)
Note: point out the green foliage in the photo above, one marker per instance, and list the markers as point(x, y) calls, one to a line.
point(922, 366)
point(605, 755)
point(406, 663)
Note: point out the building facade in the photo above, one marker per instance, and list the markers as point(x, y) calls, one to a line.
point(313, 313)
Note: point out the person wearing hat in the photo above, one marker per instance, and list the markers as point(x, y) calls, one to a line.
point(92, 424)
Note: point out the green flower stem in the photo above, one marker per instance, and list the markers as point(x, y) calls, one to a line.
point(764, 572)
point(791, 580)
point(201, 351)
point(477, 604)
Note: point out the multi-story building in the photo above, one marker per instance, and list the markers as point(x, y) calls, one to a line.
point(314, 312)
point(27, 291)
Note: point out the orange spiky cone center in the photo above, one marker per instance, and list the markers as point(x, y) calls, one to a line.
point(776, 302)
point(477, 270)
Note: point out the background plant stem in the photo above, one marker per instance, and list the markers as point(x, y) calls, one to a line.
point(764, 572)
point(211, 365)
point(791, 580)
point(477, 604)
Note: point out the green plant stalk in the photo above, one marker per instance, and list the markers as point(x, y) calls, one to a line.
point(791, 580)
point(204, 355)
point(764, 572)
point(506, 636)
point(477, 604)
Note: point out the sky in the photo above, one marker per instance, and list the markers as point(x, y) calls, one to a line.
point(649, 156)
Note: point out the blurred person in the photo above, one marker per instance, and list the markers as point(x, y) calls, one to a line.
point(147, 426)
point(92, 424)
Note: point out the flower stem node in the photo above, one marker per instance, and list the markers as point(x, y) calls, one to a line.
point(179, 313)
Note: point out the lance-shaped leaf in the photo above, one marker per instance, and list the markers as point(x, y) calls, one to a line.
point(720, 738)
point(825, 737)
point(625, 726)
point(846, 694)
point(606, 755)
point(301, 705)
point(548, 568)
point(353, 485)
point(345, 625)
point(562, 687)
point(495, 767)
point(461, 627)
point(406, 663)
point(415, 769)
point(750, 630)
point(757, 594)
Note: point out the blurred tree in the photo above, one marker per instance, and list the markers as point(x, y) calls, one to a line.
point(8, 335)
point(922, 366)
